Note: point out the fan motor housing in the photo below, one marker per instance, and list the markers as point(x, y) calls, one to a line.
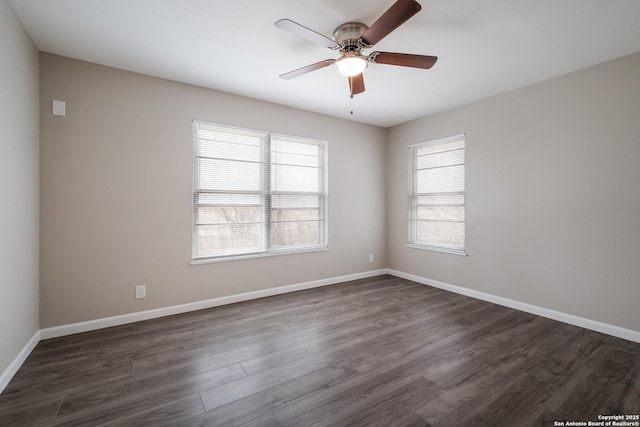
point(348, 35)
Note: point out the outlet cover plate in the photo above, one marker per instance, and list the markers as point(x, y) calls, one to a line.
point(141, 291)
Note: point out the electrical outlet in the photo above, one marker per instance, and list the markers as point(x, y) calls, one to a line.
point(370, 257)
point(141, 291)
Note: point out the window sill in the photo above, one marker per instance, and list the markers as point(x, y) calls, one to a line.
point(257, 255)
point(436, 249)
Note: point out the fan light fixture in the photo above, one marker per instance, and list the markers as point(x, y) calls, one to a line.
point(352, 64)
point(351, 38)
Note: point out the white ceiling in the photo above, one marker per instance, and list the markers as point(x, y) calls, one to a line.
point(485, 47)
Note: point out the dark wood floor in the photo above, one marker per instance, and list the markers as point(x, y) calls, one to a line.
point(375, 352)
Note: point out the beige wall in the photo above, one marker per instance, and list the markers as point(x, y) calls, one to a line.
point(553, 194)
point(116, 194)
point(18, 187)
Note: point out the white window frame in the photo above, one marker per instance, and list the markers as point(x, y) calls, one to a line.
point(266, 198)
point(413, 196)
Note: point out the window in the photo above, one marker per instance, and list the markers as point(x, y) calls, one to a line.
point(436, 195)
point(256, 193)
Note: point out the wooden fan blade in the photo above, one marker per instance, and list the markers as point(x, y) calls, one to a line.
point(309, 68)
point(397, 15)
point(356, 84)
point(403, 59)
point(306, 33)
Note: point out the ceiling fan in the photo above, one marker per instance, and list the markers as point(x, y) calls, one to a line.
point(351, 38)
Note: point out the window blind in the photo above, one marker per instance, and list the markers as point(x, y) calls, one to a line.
point(297, 192)
point(254, 192)
point(437, 194)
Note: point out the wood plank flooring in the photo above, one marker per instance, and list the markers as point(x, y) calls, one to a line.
point(375, 352)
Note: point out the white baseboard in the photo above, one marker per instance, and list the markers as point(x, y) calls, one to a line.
point(90, 325)
point(13, 367)
point(593, 325)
